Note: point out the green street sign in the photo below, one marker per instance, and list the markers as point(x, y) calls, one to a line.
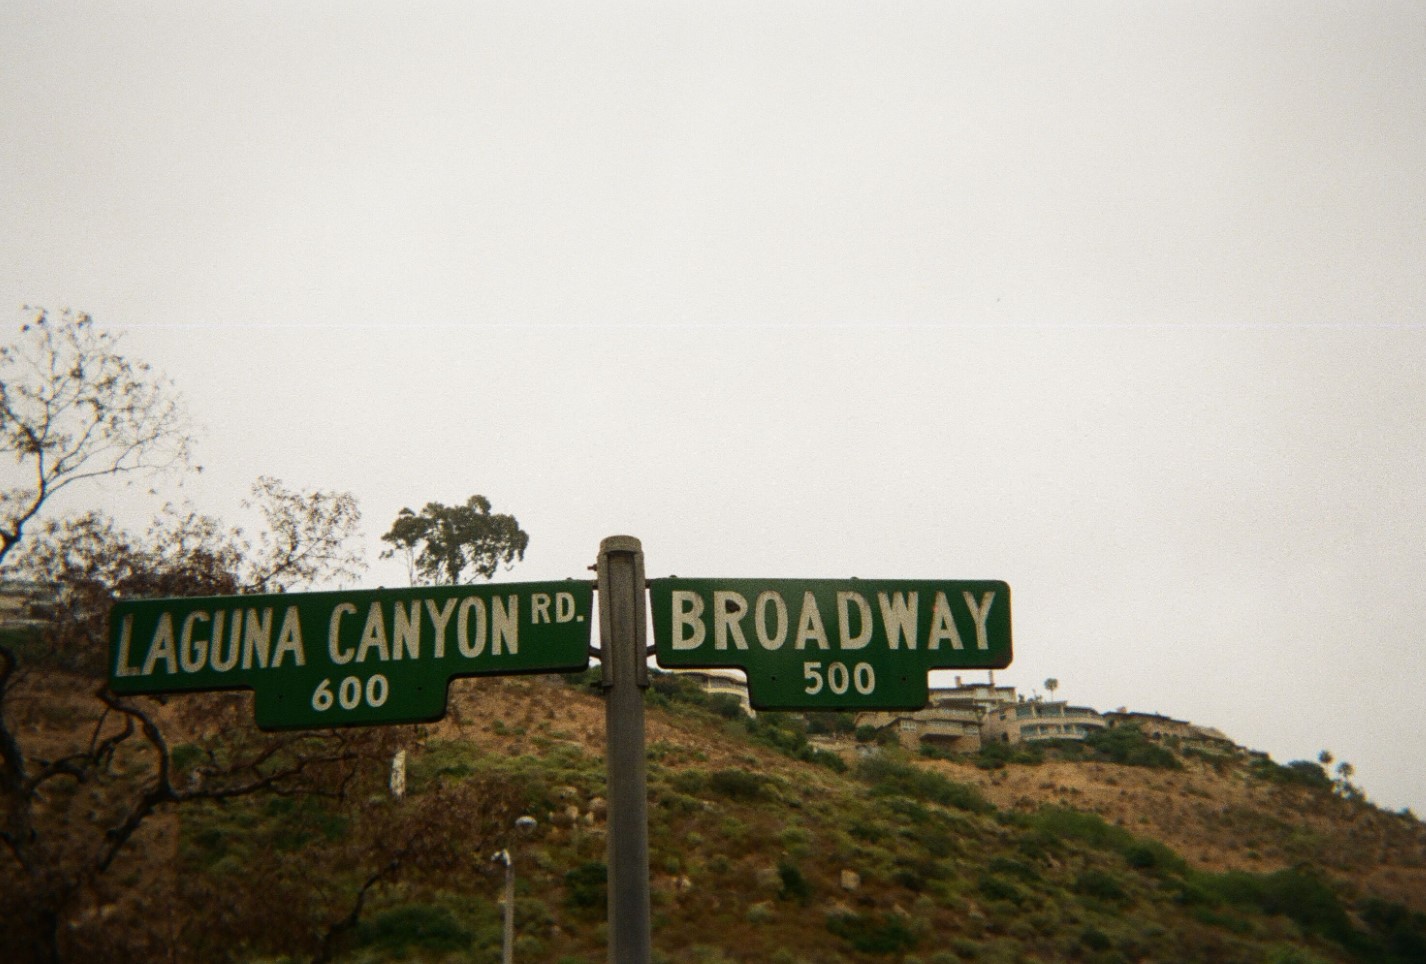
point(817, 644)
point(338, 658)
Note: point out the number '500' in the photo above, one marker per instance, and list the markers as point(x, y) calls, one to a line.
point(838, 678)
point(351, 693)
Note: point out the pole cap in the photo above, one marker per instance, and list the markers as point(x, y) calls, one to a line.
point(620, 544)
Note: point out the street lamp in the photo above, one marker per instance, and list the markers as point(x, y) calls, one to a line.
point(526, 826)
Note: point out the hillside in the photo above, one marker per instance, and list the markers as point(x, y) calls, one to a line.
point(756, 855)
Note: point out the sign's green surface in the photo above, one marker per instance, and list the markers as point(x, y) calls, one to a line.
point(818, 644)
point(337, 658)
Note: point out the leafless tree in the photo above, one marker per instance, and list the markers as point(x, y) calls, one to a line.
point(73, 409)
point(52, 866)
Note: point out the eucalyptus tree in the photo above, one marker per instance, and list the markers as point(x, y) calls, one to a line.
point(441, 543)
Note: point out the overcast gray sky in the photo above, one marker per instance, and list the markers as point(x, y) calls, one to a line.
point(1121, 303)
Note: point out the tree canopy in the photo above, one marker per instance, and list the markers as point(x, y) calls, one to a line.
point(442, 542)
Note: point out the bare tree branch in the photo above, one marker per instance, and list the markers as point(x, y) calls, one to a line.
point(74, 409)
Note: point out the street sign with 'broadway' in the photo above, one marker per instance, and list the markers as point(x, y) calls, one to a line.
point(813, 644)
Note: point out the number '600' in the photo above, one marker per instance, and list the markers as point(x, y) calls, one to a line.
point(351, 693)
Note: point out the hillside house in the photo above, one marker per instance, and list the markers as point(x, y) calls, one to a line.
point(952, 725)
point(985, 696)
point(1155, 726)
point(24, 603)
point(722, 682)
point(1031, 721)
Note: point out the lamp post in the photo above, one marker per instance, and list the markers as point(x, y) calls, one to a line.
point(526, 826)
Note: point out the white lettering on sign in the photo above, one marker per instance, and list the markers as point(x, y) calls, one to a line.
point(943, 625)
point(845, 600)
point(564, 607)
point(855, 628)
point(838, 678)
point(440, 619)
point(406, 630)
point(687, 612)
point(898, 615)
point(335, 652)
point(980, 613)
point(728, 608)
point(289, 640)
point(162, 646)
point(261, 638)
point(126, 635)
point(373, 635)
point(350, 693)
point(540, 607)
point(809, 624)
point(504, 624)
point(220, 658)
point(468, 648)
point(249, 639)
point(192, 653)
point(771, 640)
point(257, 638)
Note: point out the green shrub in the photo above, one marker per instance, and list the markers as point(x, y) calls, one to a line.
point(1009, 867)
point(936, 841)
point(1295, 893)
point(793, 885)
point(1302, 773)
point(1095, 939)
point(737, 784)
point(1399, 931)
point(1100, 885)
point(1129, 746)
point(587, 886)
point(439, 760)
point(998, 888)
point(831, 721)
point(1062, 823)
point(996, 754)
point(911, 811)
point(867, 832)
point(1155, 857)
point(591, 678)
point(825, 758)
point(1307, 899)
point(424, 926)
point(726, 705)
point(893, 778)
point(872, 934)
point(691, 782)
point(1307, 773)
point(1066, 749)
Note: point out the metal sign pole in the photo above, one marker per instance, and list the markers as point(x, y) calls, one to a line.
point(624, 655)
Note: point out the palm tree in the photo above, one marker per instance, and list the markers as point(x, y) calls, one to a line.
point(1052, 684)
